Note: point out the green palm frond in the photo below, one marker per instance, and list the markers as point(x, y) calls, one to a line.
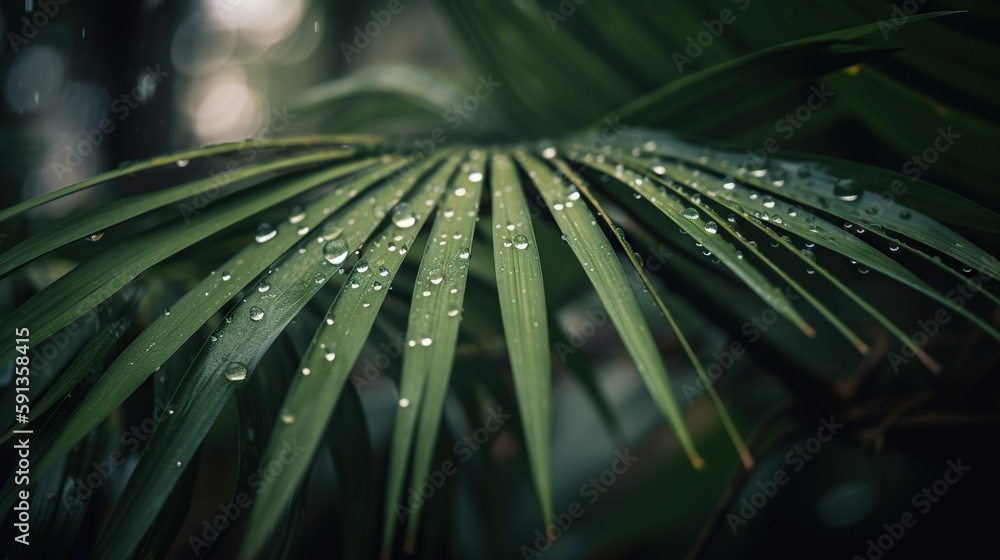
point(265, 284)
point(357, 220)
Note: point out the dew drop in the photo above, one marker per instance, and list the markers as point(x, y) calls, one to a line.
point(691, 213)
point(894, 248)
point(404, 402)
point(297, 214)
point(226, 276)
point(256, 313)
point(520, 242)
point(904, 214)
point(383, 271)
point(95, 237)
point(768, 202)
point(362, 266)
point(265, 232)
point(403, 215)
point(475, 178)
point(336, 251)
point(435, 276)
point(287, 419)
point(463, 253)
point(182, 163)
point(846, 189)
point(235, 371)
point(376, 285)
point(711, 227)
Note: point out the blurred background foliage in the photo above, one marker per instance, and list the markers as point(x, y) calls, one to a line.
point(232, 64)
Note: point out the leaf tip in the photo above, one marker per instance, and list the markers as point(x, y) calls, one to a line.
point(697, 462)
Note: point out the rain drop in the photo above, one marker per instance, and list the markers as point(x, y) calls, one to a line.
point(265, 232)
point(403, 215)
point(235, 371)
point(846, 189)
point(336, 251)
point(297, 214)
